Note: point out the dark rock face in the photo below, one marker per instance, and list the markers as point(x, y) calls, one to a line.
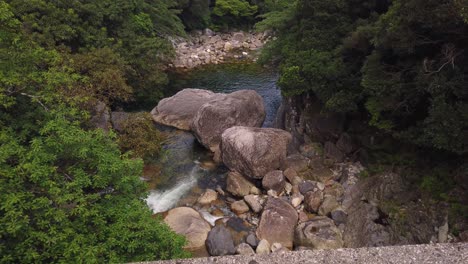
point(100, 116)
point(118, 119)
point(179, 110)
point(220, 242)
point(332, 152)
point(240, 108)
point(318, 233)
point(254, 151)
point(382, 210)
point(274, 180)
point(277, 222)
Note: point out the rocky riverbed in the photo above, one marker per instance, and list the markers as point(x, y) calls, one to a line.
point(282, 193)
point(208, 47)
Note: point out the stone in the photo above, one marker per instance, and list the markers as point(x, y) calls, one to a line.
point(308, 186)
point(239, 207)
point(239, 37)
point(179, 110)
point(313, 200)
point(288, 188)
point(244, 249)
point(100, 116)
point(297, 162)
point(240, 108)
point(346, 144)
point(272, 193)
point(328, 205)
point(339, 216)
point(277, 247)
point(208, 32)
point(263, 247)
point(254, 151)
point(290, 174)
point(252, 240)
point(237, 185)
point(311, 150)
point(254, 203)
point(220, 242)
point(189, 223)
point(277, 222)
point(296, 200)
point(208, 197)
point(118, 120)
point(318, 233)
point(228, 46)
point(332, 152)
point(274, 180)
point(255, 190)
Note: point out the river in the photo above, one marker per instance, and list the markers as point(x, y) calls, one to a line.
point(186, 168)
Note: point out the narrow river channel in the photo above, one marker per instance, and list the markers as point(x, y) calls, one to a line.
point(186, 168)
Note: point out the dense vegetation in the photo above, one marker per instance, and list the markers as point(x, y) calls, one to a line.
point(219, 14)
point(404, 63)
point(68, 193)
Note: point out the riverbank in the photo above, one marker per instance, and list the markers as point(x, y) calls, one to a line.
point(209, 47)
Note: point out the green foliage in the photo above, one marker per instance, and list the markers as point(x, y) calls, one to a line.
point(196, 14)
point(140, 136)
point(232, 12)
point(401, 62)
point(68, 194)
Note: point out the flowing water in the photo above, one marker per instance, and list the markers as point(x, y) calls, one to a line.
point(187, 168)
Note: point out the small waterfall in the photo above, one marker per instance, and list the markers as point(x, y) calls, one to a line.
point(163, 200)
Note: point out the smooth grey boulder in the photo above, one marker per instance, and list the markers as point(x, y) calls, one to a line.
point(220, 242)
point(274, 180)
point(179, 110)
point(254, 151)
point(240, 108)
point(277, 222)
point(244, 249)
point(318, 233)
point(189, 223)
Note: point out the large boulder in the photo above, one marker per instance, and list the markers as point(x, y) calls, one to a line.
point(318, 233)
point(277, 222)
point(220, 242)
point(240, 108)
point(189, 223)
point(179, 110)
point(237, 185)
point(254, 151)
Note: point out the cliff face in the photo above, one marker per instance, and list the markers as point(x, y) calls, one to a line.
point(382, 209)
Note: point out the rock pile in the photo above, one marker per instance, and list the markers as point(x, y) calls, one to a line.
point(214, 48)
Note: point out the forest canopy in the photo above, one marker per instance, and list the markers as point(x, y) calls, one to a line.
point(403, 63)
point(68, 193)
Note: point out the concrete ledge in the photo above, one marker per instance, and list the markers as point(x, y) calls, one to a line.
point(433, 253)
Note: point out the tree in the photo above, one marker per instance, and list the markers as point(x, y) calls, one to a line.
point(68, 194)
point(401, 62)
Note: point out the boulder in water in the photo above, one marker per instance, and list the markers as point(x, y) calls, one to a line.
point(240, 108)
point(179, 110)
point(237, 185)
point(189, 223)
point(254, 151)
